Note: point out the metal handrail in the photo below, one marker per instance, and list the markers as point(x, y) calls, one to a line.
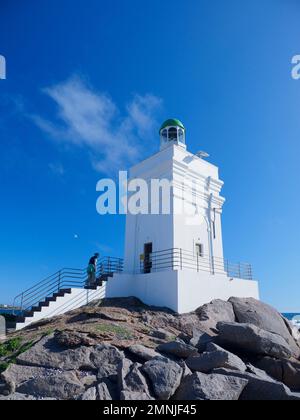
point(62, 279)
point(179, 259)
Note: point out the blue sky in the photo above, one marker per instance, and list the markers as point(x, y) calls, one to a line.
point(88, 84)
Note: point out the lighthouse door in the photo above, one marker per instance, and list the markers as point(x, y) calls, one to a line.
point(148, 249)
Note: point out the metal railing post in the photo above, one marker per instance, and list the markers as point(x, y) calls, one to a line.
point(197, 262)
point(59, 281)
point(180, 258)
point(22, 299)
point(240, 271)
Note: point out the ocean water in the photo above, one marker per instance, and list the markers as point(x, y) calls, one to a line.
point(290, 316)
point(10, 312)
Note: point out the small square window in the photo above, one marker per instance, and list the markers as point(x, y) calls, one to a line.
point(199, 250)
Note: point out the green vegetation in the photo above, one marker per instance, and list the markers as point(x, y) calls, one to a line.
point(121, 332)
point(10, 350)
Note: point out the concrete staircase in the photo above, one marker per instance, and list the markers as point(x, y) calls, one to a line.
point(63, 292)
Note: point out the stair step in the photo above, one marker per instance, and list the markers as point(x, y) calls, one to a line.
point(91, 287)
point(36, 309)
point(44, 304)
point(66, 291)
point(58, 294)
point(50, 299)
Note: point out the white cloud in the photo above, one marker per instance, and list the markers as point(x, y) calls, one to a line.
point(90, 119)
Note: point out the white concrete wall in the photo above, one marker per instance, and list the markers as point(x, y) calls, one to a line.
point(196, 289)
point(158, 289)
point(182, 291)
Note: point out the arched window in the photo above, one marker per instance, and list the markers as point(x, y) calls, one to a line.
point(164, 135)
point(181, 135)
point(173, 134)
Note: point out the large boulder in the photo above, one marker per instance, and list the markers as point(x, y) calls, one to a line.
point(16, 375)
point(106, 359)
point(48, 353)
point(249, 339)
point(286, 371)
point(143, 353)
point(210, 387)
point(164, 375)
point(131, 379)
point(103, 392)
point(59, 385)
point(214, 312)
point(263, 316)
point(89, 395)
point(260, 387)
point(201, 339)
point(215, 357)
point(178, 349)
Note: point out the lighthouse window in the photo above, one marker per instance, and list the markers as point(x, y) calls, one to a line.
point(173, 134)
point(165, 135)
point(199, 250)
point(181, 135)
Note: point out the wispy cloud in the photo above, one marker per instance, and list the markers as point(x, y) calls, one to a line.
point(90, 119)
point(57, 169)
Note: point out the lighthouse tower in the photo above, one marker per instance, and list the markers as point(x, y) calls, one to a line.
point(173, 248)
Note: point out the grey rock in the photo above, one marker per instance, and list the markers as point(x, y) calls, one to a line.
point(214, 312)
point(2, 328)
point(165, 376)
point(201, 339)
point(178, 349)
point(49, 354)
point(131, 378)
point(215, 357)
point(135, 396)
point(61, 386)
point(89, 395)
point(73, 339)
point(162, 334)
point(15, 375)
point(210, 387)
point(106, 358)
point(17, 397)
point(286, 371)
point(103, 392)
point(260, 387)
point(263, 316)
point(252, 340)
point(142, 352)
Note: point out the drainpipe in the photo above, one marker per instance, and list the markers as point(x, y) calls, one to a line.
point(210, 234)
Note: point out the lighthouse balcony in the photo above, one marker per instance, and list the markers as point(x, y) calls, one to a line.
point(177, 259)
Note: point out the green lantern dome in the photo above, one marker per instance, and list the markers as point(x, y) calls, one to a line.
point(172, 123)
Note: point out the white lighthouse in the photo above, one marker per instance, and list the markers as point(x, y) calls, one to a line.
point(174, 250)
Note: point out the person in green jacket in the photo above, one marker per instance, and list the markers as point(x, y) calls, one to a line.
point(92, 270)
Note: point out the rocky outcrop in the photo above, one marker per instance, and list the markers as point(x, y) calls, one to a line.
point(127, 351)
point(215, 312)
point(165, 376)
point(286, 371)
point(263, 316)
point(250, 339)
point(210, 387)
point(178, 349)
point(215, 357)
point(142, 352)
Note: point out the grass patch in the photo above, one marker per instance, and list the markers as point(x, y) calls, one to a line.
point(10, 350)
point(119, 331)
point(10, 346)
